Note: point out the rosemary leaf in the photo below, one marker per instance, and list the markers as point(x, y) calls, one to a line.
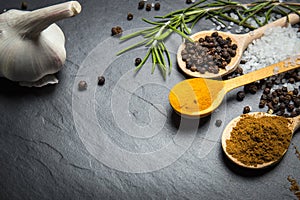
point(258, 8)
point(268, 14)
point(141, 43)
point(163, 47)
point(181, 33)
point(291, 9)
point(164, 35)
point(153, 23)
point(154, 61)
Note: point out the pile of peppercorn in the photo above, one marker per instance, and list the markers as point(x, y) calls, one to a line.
point(208, 54)
point(278, 99)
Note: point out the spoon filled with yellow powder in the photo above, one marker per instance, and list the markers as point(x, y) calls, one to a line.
point(257, 140)
point(198, 97)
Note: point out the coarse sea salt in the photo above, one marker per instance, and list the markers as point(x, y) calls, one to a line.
point(277, 44)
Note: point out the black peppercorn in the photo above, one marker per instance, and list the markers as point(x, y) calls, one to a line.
point(280, 113)
point(295, 91)
point(286, 115)
point(116, 30)
point(240, 96)
point(293, 114)
point(291, 80)
point(137, 61)
point(82, 85)
point(188, 1)
point(243, 62)
point(148, 7)
point(270, 105)
point(218, 123)
point(234, 46)
point(290, 107)
point(246, 109)
point(266, 90)
point(262, 104)
point(282, 106)
point(269, 84)
point(296, 102)
point(141, 5)
point(253, 89)
point(269, 97)
point(129, 16)
point(284, 89)
point(239, 70)
point(215, 34)
point(101, 80)
point(157, 6)
point(274, 94)
point(297, 110)
point(24, 5)
point(263, 97)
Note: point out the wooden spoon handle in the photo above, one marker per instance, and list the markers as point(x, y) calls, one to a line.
point(277, 68)
point(296, 123)
point(258, 33)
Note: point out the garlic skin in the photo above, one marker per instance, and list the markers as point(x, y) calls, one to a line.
point(31, 44)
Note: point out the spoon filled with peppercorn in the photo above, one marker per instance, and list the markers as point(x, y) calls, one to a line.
point(198, 97)
point(258, 140)
point(215, 53)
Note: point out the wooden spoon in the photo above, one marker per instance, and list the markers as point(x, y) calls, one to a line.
point(293, 125)
point(198, 97)
point(241, 40)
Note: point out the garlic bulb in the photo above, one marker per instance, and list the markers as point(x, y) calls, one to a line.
point(31, 45)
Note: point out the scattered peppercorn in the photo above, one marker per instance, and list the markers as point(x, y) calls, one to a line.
point(141, 5)
point(267, 90)
point(218, 123)
point(101, 80)
point(246, 109)
point(148, 7)
point(24, 5)
point(243, 62)
point(129, 16)
point(82, 85)
point(262, 103)
point(137, 61)
point(116, 30)
point(240, 96)
point(188, 1)
point(157, 6)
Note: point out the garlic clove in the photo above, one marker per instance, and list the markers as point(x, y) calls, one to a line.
point(31, 45)
point(46, 80)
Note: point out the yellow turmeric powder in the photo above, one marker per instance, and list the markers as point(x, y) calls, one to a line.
point(194, 95)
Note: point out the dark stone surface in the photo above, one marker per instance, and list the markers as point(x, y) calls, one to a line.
point(120, 140)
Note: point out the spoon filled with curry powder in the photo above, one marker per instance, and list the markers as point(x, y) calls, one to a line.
point(216, 53)
point(258, 140)
point(199, 97)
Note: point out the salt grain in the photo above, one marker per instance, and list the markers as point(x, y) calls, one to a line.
point(276, 70)
point(277, 44)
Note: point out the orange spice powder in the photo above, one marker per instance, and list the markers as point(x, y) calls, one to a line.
point(193, 95)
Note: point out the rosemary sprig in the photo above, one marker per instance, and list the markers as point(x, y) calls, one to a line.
point(182, 22)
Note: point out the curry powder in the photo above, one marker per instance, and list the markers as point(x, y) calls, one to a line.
point(195, 95)
point(259, 140)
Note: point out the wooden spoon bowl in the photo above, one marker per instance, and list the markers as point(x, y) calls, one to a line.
point(198, 97)
point(241, 40)
point(293, 125)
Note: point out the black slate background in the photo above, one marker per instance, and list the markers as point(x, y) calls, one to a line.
point(43, 156)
